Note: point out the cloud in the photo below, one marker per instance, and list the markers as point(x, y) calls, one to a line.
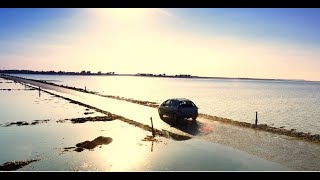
point(164, 12)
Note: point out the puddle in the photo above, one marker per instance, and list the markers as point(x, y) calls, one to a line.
point(195, 128)
point(26, 106)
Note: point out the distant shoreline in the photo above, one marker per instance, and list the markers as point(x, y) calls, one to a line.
point(88, 73)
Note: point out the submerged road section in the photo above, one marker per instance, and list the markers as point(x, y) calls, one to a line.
point(135, 112)
point(294, 153)
point(71, 142)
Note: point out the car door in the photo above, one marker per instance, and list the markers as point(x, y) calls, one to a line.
point(165, 107)
point(172, 107)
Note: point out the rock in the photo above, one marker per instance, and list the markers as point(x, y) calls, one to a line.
point(92, 144)
point(79, 149)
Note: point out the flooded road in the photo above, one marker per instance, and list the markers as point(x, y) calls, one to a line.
point(88, 144)
point(296, 154)
point(138, 113)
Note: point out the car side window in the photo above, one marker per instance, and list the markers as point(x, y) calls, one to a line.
point(167, 103)
point(164, 103)
point(186, 104)
point(174, 103)
point(171, 103)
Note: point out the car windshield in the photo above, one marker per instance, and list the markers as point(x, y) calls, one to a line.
point(186, 104)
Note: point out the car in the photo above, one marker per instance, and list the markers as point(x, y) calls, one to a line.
point(178, 108)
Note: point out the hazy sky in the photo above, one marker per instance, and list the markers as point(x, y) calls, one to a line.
point(257, 43)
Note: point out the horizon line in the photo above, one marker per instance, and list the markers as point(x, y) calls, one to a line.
point(83, 72)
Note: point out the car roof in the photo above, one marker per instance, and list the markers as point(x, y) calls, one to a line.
point(180, 99)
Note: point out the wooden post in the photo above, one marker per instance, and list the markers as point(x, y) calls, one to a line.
point(152, 147)
point(256, 118)
point(85, 88)
point(152, 126)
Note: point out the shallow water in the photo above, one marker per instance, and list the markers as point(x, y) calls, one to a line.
point(28, 105)
point(126, 152)
point(292, 152)
point(270, 146)
point(295, 105)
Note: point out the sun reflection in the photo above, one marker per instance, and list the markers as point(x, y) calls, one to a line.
point(126, 154)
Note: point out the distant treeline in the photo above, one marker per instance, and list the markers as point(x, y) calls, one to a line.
point(86, 73)
point(54, 72)
point(163, 75)
point(138, 74)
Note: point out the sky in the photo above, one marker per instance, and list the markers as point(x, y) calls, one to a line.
point(254, 43)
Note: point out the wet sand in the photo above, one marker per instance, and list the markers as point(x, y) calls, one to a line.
point(213, 131)
point(10, 166)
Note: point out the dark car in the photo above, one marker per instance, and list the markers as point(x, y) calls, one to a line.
point(178, 108)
